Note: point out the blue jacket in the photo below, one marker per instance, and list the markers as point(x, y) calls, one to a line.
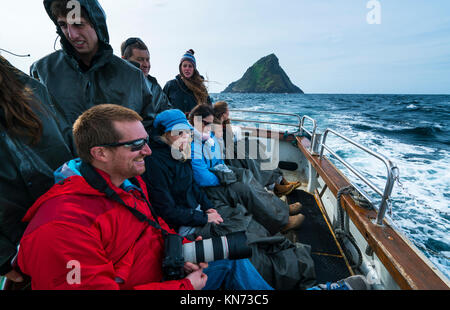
point(206, 155)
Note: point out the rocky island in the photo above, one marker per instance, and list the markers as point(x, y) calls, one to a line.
point(265, 76)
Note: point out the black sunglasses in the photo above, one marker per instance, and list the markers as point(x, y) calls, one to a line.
point(135, 145)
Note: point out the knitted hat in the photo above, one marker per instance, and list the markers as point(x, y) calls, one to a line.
point(189, 56)
point(171, 120)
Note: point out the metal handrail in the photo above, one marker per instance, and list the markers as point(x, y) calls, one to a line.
point(300, 126)
point(270, 113)
point(263, 122)
point(392, 171)
point(312, 134)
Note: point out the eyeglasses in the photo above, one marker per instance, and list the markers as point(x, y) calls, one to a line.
point(135, 145)
point(205, 123)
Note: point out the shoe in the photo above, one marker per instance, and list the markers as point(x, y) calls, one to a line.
point(294, 222)
point(295, 208)
point(296, 184)
point(286, 182)
point(283, 190)
point(354, 283)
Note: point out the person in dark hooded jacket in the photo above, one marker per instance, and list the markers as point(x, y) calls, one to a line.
point(85, 73)
point(187, 90)
point(34, 141)
point(174, 194)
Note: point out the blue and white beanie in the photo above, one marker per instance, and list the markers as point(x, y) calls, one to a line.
point(189, 56)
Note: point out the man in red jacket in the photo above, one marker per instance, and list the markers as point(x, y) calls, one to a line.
point(78, 238)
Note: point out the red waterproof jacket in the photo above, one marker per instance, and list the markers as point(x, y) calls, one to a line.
point(74, 225)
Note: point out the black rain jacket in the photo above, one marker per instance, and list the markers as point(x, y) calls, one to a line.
point(109, 79)
point(180, 96)
point(26, 172)
point(172, 189)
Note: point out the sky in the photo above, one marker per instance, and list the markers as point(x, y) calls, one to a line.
point(325, 46)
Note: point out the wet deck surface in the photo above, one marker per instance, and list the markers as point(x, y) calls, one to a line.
point(329, 263)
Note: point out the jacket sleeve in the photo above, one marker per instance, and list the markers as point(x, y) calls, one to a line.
point(183, 284)
point(11, 229)
point(8, 251)
point(202, 198)
point(34, 72)
point(160, 99)
point(61, 120)
point(49, 263)
point(149, 110)
point(202, 176)
point(161, 198)
point(166, 89)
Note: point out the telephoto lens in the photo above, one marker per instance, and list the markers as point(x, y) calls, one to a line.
point(231, 246)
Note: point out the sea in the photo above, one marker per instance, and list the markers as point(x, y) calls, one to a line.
point(413, 131)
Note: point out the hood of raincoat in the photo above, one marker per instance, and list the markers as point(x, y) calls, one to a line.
point(97, 18)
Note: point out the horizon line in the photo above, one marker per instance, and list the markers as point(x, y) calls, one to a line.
point(397, 94)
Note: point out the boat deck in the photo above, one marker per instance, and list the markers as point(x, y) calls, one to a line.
point(330, 263)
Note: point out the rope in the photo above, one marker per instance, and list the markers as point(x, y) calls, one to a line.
point(294, 142)
point(343, 233)
point(27, 55)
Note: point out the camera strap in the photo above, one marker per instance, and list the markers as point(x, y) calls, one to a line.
point(96, 181)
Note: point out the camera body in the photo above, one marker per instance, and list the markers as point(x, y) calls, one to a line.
point(173, 262)
point(231, 246)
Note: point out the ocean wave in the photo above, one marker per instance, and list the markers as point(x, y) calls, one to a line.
point(420, 131)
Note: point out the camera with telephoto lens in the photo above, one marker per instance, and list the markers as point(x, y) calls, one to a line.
point(231, 246)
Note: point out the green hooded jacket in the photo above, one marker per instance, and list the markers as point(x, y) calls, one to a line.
point(110, 79)
point(26, 171)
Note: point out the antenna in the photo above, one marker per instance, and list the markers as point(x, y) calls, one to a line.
point(28, 55)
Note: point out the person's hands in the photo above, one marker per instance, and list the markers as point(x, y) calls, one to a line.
point(195, 272)
point(191, 267)
point(198, 279)
point(214, 217)
point(14, 276)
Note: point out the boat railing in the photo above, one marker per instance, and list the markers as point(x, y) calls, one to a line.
point(300, 126)
point(313, 133)
point(318, 146)
point(392, 171)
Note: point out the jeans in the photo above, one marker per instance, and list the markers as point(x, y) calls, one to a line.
point(234, 275)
